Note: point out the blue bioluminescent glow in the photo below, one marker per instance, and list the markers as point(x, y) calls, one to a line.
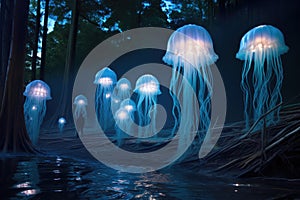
point(121, 91)
point(261, 48)
point(129, 105)
point(80, 113)
point(190, 52)
point(123, 124)
point(147, 87)
point(61, 123)
point(105, 80)
point(36, 92)
point(124, 118)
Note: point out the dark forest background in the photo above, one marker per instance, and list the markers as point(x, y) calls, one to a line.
point(60, 33)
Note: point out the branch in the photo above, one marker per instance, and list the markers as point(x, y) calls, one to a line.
point(90, 21)
point(260, 118)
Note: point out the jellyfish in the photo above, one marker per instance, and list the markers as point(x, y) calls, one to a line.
point(190, 52)
point(123, 88)
point(121, 91)
point(80, 113)
point(124, 118)
point(262, 74)
point(129, 105)
point(147, 88)
point(105, 80)
point(37, 93)
point(61, 123)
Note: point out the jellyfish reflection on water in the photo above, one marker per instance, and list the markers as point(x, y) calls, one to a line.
point(190, 52)
point(261, 48)
point(147, 88)
point(36, 92)
point(105, 80)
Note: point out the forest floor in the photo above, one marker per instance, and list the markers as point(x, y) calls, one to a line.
point(65, 144)
point(236, 154)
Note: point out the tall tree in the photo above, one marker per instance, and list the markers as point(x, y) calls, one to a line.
point(36, 39)
point(13, 135)
point(44, 41)
point(65, 103)
point(6, 17)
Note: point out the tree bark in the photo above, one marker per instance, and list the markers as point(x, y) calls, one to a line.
point(64, 108)
point(5, 37)
point(36, 39)
point(44, 41)
point(13, 135)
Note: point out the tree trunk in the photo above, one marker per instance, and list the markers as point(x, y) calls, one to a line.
point(5, 37)
point(13, 135)
point(64, 108)
point(44, 41)
point(36, 39)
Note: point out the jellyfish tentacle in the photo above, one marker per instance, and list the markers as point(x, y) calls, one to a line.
point(265, 44)
point(105, 79)
point(147, 88)
point(190, 52)
point(37, 93)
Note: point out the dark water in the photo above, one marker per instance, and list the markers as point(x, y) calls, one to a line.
point(61, 178)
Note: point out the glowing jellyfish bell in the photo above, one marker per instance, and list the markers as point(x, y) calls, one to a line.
point(37, 93)
point(123, 88)
point(61, 123)
point(261, 48)
point(190, 51)
point(129, 105)
point(80, 113)
point(121, 91)
point(124, 118)
point(105, 79)
point(123, 124)
point(147, 88)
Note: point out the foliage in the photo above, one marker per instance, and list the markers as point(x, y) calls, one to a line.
point(100, 19)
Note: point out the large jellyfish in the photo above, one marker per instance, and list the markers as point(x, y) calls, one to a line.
point(80, 113)
point(124, 117)
point(121, 91)
point(262, 73)
point(36, 92)
point(190, 52)
point(147, 88)
point(105, 80)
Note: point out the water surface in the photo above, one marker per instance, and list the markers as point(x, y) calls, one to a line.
point(63, 178)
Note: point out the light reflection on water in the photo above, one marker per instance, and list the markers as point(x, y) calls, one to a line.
point(57, 178)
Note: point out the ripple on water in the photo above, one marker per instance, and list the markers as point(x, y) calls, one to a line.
point(61, 178)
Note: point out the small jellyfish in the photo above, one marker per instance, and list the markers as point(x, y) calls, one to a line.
point(190, 52)
point(262, 73)
point(124, 119)
point(105, 80)
point(121, 91)
point(147, 88)
point(129, 105)
point(36, 92)
point(123, 124)
point(123, 88)
point(126, 124)
point(80, 113)
point(61, 123)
